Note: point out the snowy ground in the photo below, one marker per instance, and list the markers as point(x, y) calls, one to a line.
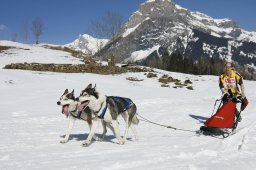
point(32, 125)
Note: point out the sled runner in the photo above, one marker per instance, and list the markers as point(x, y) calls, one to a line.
point(225, 120)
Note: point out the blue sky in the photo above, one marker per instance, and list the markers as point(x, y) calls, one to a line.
point(64, 20)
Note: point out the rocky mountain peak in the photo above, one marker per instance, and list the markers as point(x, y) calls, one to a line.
point(151, 9)
point(87, 44)
point(161, 26)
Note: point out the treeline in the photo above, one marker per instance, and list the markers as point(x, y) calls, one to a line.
point(177, 63)
point(201, 66)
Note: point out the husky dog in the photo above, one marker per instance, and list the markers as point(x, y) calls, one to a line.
point(69, 108)
point(108, 108)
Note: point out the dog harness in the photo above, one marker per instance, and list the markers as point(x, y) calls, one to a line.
point(118, 101)
point(127, 105)
point(101, 116)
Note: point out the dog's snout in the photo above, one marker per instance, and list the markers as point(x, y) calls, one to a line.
point(58, 103)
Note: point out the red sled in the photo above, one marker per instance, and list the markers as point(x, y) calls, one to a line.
point(224, 117)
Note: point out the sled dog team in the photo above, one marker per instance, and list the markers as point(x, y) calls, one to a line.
point(93, 107)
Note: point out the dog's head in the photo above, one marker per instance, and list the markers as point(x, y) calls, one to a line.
point(87, 95)
point(66, 100)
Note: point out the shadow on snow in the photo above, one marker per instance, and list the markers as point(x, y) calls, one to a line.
point(201, 119)
point(83, 137)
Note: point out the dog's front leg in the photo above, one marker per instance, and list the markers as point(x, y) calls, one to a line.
point(95, 137)
point(71, 123)
point(104, 126)
point(95, 124)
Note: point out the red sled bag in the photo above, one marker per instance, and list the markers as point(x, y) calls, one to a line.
point(224, 117)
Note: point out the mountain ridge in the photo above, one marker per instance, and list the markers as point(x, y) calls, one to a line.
point(162, 24)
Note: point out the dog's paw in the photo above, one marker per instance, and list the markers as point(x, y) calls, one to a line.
point(100, 139)
point(121, 142)
point(86, 143)
point(97, 138)
point(63, 141)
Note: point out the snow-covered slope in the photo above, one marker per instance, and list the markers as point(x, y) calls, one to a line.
point(87, 44)
point(20, 53)
point(32, 125)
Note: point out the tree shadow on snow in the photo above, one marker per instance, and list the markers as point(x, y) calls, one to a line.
point(201, 119)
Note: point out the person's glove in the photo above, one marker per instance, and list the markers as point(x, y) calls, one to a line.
point(234, 100)
point(225, 97)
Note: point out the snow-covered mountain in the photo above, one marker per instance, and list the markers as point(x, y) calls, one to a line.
point(160, 26)
point(87, 44)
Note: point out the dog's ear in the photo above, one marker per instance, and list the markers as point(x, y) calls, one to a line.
point(95, 93)
point(89, 86)
point(72, 91)
point(65, 92)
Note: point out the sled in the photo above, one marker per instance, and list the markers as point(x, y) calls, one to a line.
point(224, 121)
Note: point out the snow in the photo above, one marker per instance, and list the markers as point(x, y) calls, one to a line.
point(34, 54)
point(142, 54)
point(219, 21)
point(149, 1)
point(180, 8)
point(219, 29)
point(216, 30)
point(201, 16)
point(242, 53)
point(251, 65)
point(208, 50)
point(130, 30)
point(87, 44)
point(247, 36)
point(215, 34)
point(32, 125)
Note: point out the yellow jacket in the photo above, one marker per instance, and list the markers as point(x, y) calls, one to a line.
point(231, 82)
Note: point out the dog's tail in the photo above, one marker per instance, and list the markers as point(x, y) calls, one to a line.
point(133, 117)
point(135, 120)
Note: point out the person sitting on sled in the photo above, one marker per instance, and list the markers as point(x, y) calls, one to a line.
point(231, 85)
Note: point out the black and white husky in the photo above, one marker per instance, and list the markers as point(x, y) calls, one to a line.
point(69, 108)
point(108, 108)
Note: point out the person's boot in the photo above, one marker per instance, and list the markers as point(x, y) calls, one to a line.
point(239, 119)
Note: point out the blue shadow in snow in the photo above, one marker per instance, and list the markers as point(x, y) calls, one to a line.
point(82, 137)
point(201, 119)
